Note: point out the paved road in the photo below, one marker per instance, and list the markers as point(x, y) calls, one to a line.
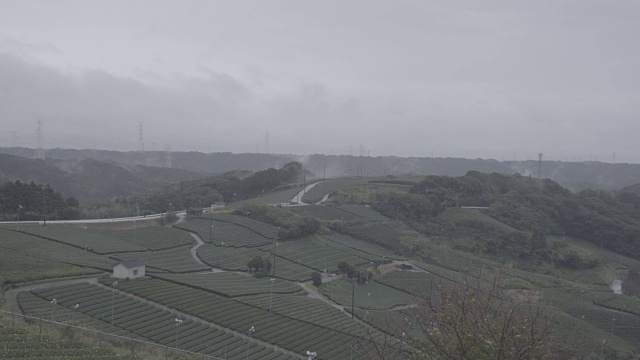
point(298, 198)
point(179, 214)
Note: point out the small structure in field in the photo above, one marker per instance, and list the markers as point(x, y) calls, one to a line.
point(131, 269)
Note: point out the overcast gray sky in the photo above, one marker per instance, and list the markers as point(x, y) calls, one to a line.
point(489, 79)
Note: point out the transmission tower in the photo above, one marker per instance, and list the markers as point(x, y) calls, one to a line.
point(167, 157)
point(361, 150)
point(140, 139)
point(539, 170)
point(266, 142)
point(39, 153)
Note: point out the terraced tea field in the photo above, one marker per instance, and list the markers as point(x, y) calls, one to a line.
point(313, 311)
point(624, 326)
point(17, 343)
point(228, 258)
point(48, 253)
point(380, 233)
point(316, 193)
point(324, 212)
point(152, 323)
point(364, 212)
point(318, 255)
point(34, 305)
point(178, 260)
point(88, 239)
point(218, 232)
point(18, 267)
point(266, 230)
point(236, 259)
point(290, 333)
point(616, 260)
point(372, 295)
point(217, 308)
point(232, 284)
point(364, 246)
point(150, 237)
point(420, 284)
point(277, 197)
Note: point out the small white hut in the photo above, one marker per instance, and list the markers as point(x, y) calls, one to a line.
point(131, 269)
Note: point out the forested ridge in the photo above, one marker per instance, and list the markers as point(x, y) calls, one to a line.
point(229, 187)
point(610, 220)
point(35, 202)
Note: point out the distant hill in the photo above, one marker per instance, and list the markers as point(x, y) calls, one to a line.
point(609, 220)
point(633, 189)
point(88, 180)
point(582, 175)
point(572, 175)
point(229, 187)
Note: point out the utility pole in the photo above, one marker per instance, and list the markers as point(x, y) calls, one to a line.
point(539, 170)
point(39, 153)
point(353, 293)
point(44, 209)
point(18, 222)
point(167, 157)
point(140, 139)
point(275, 249)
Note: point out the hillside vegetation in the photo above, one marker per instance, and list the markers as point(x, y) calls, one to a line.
point(574, 175)
point(88, 180)
point(229, 187)
point(389, 268)
point(607, 220)
point(35, 202)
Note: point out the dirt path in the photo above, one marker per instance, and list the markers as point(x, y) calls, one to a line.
point(204, 322)
point(194, 249)
point(316, 295)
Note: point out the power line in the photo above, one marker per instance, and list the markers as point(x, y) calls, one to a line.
point(539, 170)
point(167, 157)
point(140, 139)
point(39, 153)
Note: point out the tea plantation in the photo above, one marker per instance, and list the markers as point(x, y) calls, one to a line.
point(207, 285)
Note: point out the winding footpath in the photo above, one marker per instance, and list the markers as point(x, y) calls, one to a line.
point(316, 295)
point(194, 249)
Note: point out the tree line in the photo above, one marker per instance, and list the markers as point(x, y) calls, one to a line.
point(228, 187)
point(35, 202)
point(607, 219)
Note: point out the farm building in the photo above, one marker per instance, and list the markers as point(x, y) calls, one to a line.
point(131, 269)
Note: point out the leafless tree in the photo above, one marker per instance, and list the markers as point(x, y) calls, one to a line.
point(476, 319)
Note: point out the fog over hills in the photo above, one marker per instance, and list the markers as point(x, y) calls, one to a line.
point(458, 79)
point(89, 180)
point(99, 175)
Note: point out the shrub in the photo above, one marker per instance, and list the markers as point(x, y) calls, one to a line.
point(316, 278)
